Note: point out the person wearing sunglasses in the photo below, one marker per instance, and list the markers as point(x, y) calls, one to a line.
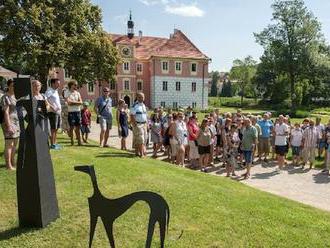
point(103, 109)
point(74, 107)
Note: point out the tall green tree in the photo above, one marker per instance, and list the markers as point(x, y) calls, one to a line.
point(214, 83)
point(291, 39)
point(40, 35)
point(243, 72)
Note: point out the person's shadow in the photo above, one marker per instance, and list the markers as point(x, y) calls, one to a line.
point(14, 232)
point(266, 175)
point(321, 178)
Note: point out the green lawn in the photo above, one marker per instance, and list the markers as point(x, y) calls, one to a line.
point(211, 211)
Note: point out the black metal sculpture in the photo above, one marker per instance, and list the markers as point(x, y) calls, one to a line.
point(36, 194)
point(110, 209)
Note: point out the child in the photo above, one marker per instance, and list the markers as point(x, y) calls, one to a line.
point(85, 122)
point(296, 142)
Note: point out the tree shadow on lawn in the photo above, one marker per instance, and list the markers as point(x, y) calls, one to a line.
point(14, 232)
point(115, 155)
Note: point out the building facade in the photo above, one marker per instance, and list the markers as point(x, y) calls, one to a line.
point(171, 72)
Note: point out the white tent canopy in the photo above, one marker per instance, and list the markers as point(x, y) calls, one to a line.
point(7, 73)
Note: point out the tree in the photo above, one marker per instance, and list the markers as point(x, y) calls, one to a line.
point(214, 83)
point(40, 35)
point(243, 71)
point(291, 41)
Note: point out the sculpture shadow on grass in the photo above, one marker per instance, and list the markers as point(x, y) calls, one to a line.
point(15, 232)
point(110, 209)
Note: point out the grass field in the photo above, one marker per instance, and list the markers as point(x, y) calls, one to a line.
point(211, 211)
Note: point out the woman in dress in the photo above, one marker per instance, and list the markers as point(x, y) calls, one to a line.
point(181, 135)
point(156, 137)
point(10, 125)
point(122, 120)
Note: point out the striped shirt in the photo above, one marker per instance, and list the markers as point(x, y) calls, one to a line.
point(310, 136)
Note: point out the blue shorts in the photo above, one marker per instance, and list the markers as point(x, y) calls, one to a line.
point(74, 119)
point(247, 156)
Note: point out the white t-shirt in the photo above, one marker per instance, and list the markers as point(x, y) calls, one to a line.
point(73, 96)
point(280, 138)
point(53, 98)
point(320, 128)
point(296, 137)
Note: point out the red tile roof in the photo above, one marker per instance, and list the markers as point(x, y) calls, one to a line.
point(177, 46)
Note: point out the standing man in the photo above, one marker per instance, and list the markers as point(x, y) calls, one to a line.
point(281, 133)
point(248, 144)
point(74, 108)
point(54, 111)
point(264, 140)
point(103, 109)
point(310, 140)
point(139, 124)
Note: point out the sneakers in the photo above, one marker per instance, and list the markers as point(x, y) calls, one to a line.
point(55, 147)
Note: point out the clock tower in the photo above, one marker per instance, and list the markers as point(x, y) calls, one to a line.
point(130, 26)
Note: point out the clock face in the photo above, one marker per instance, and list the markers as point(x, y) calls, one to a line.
point(126, 51)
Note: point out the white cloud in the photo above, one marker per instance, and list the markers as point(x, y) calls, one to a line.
point(185, 10)
point(153, 2)
point(122, 19)
point(176, 8)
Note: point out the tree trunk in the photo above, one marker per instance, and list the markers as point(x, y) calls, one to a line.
point(292, 95)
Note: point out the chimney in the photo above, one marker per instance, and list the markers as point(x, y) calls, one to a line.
point(140, 36)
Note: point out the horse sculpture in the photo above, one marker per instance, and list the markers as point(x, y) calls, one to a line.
point(110, 209)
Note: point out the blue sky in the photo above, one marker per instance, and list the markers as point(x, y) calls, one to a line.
point(222, 29)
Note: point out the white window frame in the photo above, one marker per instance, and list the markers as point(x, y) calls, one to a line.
point(177, 83)
point(137, 84)
point(88, 91)
point(192, 88)
point(175, 105)
point(166, 86)
point(137, 67)
point(129, 67)
point(194, 105)
point(178, 71)
point(129, 84)
point(191, 71)
point(164, 71)
point(163, 104)
point(114, 86)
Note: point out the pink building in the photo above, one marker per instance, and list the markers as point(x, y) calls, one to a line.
point(171, 72)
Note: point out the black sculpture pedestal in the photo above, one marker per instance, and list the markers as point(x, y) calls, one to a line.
point(36, 193)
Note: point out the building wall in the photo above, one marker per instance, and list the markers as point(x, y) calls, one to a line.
point(184, 98)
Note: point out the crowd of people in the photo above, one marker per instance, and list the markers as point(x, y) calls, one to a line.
point(235, 139)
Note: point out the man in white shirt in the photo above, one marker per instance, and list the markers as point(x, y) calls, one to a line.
point(54, 111)
point(280, 132)
point(139, 125)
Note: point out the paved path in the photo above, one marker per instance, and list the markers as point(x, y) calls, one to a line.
point(307, 186)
